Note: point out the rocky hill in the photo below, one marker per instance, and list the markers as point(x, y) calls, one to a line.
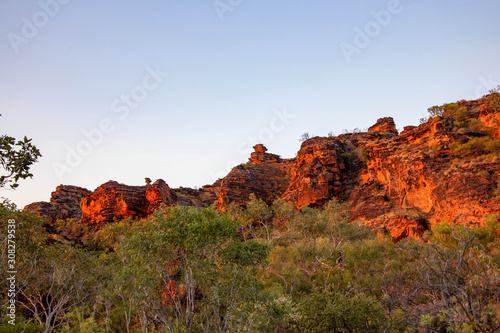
point(447, 168)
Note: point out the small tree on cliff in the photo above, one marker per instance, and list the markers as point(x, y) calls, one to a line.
point(436, 111)
point(304, 137)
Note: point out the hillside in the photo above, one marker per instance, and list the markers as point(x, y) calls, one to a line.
point(336, 239)
point(447, 168)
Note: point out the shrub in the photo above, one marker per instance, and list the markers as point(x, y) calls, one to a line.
point(355, 156)
point(476, 146)
point(476, 126)
point(436, 149)
point(334, 312)
point(496, 191)
point(304, 137)
point(493, 101)
point(362, 154)
point(436, 111)
point(451, 111)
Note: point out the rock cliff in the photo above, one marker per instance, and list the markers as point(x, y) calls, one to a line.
point(447, 168)
point(113, 200)
point(64, 204)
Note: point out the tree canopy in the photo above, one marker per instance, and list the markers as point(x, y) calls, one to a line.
point(16, 159)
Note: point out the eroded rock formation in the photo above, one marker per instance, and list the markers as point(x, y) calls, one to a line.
point(400, 183)
point(113, 200)
point(109, 201)
point(64, 204)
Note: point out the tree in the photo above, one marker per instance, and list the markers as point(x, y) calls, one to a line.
point(334, 312)
point(454, 284)
point(16, 158)
point(189, 269)
point(304, 137)
point(436, 111)
point(55, 282)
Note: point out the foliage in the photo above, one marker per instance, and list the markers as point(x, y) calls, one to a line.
point(491, 102)
point(16, 158)
point(362, 153)
point(436, 111)
point(476, 146)
point(355, 156)
point(259, 268)
point(334, 312)
point(304, 137)
point(496, 191)
point(189, 267)
point(462, 277)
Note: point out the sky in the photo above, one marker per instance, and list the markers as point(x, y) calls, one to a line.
point(181, 90)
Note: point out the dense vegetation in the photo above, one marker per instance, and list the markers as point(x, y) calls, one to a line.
point(262, 268)
point(259, 269)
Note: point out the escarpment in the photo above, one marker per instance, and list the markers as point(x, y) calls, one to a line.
point(447, 168)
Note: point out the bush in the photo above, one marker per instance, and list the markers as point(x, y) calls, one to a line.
point(476, 147)
point(492, 101)
point(451, 111)
point(353, 157)
point(496, 191)
point(335, 312)
point(436, 111)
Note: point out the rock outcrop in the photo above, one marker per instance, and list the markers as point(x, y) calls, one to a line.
point(159, 193)
point(398, 183)
point(109, 201)
point(260, 156)
point(112, 201)
point(418, 170)
point(264, 175)
point(315, 174)
point(384, 125)
point(203, 197)
point(64, 204)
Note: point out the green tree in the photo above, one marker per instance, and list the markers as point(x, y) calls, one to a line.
point(27, 238)
point(189, 269)
point(16, 158)
point(454, 282)
point(334, 312)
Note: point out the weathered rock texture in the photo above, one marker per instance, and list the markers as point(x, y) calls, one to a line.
point(113, 200)
point(159, 193)
point(109, 201)
point(316, 172)
point(417, 170)
point(64, 204)
point(384, 125)
point(203, 197)
point(398, 183)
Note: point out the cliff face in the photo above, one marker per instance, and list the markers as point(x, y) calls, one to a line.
point(401, 183)
point(316, 172)
point(64, 204)
point(113, 200)
point(264, 174)
point(418, 170)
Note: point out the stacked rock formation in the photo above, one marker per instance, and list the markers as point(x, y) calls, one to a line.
point(401, 183)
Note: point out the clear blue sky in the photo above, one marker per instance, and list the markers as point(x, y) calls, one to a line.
point(67, 67)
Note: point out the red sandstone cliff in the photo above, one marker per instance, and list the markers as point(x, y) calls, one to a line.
point(64, 204)
point(399, 183)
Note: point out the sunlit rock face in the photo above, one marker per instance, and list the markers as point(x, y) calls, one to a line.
point(64, 204)
point(112, 201)
point(384, 125)
point(264, 175)
point(399, 183)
